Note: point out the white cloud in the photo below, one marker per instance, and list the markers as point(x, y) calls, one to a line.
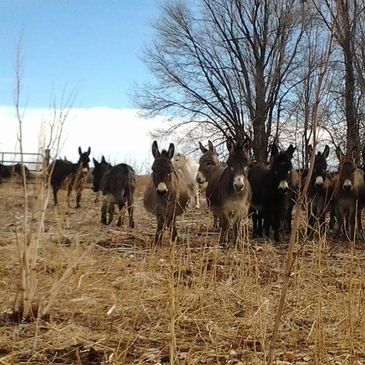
point(118, 134)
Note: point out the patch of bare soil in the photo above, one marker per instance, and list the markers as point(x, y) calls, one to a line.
point(130, 302)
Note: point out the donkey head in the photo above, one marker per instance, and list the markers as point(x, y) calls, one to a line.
point(162, 168)
point(281, 167)
point(348, 176)
point(320, 166)
point(237, 163)
point(84, 160)
point(99, 171)
point(179, 161)
point(207, 161)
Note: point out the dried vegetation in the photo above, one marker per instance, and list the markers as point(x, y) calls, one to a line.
point(127, 302)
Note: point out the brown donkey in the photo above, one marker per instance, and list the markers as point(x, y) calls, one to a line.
point(230, 194)
point(349, 194)
point(209, 171)
point(166, 195)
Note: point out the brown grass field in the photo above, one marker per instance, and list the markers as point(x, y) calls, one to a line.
point(128, 302)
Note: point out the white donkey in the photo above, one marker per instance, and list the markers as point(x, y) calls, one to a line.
point(188, 169)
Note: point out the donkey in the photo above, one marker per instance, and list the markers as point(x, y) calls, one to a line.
point(100, 169)
point(349, 194)
point(271, 192)
point(118, 186)
point(209, 171)
point(65, 174)
point(320, 192)
point(9, 171)
point(230, 194)
point(188, 170)
point(166, 195)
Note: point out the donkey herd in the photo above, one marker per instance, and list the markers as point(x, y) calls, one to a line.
point(235, 190)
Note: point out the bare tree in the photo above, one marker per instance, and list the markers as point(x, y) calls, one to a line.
point(224, 63)
point(343, 16)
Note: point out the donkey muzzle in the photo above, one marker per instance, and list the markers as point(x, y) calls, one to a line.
point(347, 185)
point(283, 186)
point(200, 179)
point(319, 182)
point(161, 188)
point(238, 183)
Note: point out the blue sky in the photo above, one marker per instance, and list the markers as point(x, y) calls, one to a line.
point(91, 45)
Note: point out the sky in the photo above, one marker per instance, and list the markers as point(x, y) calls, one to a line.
point(92, 47)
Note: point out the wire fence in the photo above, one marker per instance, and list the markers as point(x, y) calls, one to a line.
point(33, 161)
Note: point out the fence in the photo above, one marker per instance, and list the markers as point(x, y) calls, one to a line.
point(34, 161)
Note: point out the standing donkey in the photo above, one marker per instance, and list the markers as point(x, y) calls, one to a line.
point(188, 169)
point(209, 171)
point(65, 174)
point(271, 194)
point(349, 194)
point(320, 192)
point(117, 184)
point(230, 194)
point(166, 195)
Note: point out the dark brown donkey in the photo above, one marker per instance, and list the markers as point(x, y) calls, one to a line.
point(65, 174)
point(210, 170)
point(117, 184)
point(349, 194)
point(320, 192)
point(166, 195)
point(230, 194)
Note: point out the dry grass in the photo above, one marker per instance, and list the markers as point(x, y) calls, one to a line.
point(127, 302)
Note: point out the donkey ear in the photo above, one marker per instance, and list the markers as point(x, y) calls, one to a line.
point(171, 151)
point(326, 151)
point(246, 144)
point(290, 150)
point(339, 153)
point(102, 158)
point(230, 144)
point(210, 146)
point(355, 154)
point(88, 150)
point(202, 148)
point(274, 150)
point(155, 151)
point(80, 151)
point(96, 163)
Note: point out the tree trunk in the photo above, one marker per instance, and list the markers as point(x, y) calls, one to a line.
point(259, 121)
point(353, 137)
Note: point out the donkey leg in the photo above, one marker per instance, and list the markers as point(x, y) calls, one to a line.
point(69, 190)
point(130, 212)
point(224, 230)
point(267, 222)
point(236, 230)
point(276, 226)
point(121, 206)
point(55, 191)
point(159, 229)
point(111, 212)
point(104, 209)
point(254, 218)
point(173, 229)
point(78, 198)
point(197, 199)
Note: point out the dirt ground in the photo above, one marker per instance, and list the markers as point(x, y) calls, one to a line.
point(129, 302)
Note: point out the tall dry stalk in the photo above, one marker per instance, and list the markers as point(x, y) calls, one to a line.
point(28, 235)
point(290, 259)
